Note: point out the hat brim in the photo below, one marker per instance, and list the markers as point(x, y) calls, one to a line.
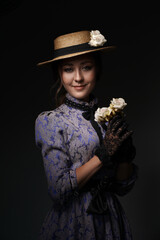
point(104, 49)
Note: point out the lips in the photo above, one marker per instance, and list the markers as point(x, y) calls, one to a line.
point(79, 87)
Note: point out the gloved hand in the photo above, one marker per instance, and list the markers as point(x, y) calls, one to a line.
point(116, 134)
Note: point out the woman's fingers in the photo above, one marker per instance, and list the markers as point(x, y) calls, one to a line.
point(118, 126)
point(122, 129)
point(126, 135)
point(114, 120)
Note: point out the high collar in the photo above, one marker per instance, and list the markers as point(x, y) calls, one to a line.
point(92, 100)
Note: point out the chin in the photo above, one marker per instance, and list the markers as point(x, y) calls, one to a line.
point(81, 95)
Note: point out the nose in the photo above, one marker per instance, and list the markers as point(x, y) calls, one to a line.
point(78, 77)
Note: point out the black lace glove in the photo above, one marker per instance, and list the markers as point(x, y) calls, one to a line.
point(102, 154)
point(116, 134)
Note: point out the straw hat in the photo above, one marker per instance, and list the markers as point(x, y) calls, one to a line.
point(77, 43)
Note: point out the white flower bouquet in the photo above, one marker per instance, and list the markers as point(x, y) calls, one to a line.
point(104, 114)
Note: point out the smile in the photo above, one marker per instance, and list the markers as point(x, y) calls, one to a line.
point(79, 87)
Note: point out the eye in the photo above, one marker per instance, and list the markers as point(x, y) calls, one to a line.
point(87, 67)
point(68, 69)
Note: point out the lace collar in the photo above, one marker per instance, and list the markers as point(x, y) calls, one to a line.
point(92, 100)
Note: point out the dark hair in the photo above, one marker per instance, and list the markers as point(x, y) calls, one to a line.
point(60, 90)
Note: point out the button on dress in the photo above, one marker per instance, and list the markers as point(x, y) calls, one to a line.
point(67, 141)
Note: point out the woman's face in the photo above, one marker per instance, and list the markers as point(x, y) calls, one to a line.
point(78, 75)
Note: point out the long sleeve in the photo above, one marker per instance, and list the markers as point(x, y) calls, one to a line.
point(61, 177)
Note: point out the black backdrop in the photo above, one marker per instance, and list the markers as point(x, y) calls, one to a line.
point(27, 32)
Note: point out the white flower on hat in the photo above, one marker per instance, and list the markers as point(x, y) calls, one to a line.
point(106, 113)
point(97, 39)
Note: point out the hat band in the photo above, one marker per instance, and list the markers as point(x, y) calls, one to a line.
point(74, 49)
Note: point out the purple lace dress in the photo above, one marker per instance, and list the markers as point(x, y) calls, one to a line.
point(67, 141)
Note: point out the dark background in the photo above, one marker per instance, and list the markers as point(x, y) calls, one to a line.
point(27, 33)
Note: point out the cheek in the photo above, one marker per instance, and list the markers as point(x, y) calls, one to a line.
point(91, 76)
point(66, 78)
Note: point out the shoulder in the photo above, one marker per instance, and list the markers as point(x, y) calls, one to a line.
point(60, 117)
point(48, 123)
point(48, 118)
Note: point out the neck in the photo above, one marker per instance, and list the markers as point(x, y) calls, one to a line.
point(89, 101)
point(85, 99)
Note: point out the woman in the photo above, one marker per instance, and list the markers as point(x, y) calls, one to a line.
point(86, 163)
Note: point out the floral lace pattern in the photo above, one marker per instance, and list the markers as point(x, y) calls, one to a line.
point(67, 140)
point(116, 134)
